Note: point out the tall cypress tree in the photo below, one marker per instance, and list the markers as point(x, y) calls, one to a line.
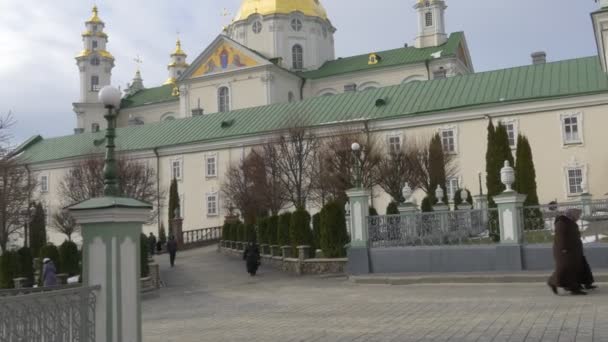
point(498, 151)
point(437, 168)
point(525, 173)
point(492, 177)
point(38, 230)
point(173, 202)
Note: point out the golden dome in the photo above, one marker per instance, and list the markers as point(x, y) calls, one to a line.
point(178, 49)
point(95, 17)
point(311, 8)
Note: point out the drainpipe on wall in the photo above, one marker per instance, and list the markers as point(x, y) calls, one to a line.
point(302, 89)
point(428, 69)
point(26, 226)
point(157, 191)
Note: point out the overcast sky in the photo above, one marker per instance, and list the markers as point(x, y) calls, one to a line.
point(39, 39)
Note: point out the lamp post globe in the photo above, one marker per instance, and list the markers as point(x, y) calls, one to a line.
point(355, 147)
point(110, 97)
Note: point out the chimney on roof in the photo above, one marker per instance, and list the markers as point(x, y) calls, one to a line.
point(539, 57)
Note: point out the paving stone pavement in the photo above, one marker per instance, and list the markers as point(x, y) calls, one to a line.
point(210, 297)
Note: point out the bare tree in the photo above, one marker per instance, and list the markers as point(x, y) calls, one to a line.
point(427, 163)
point(275, 194)
point(65, 223)
point(297, 152)
point(16, 187)
point(85, 180)
point(395, 170)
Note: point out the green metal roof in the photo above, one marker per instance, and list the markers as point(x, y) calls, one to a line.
point(149, 96)
point(575, 77)
point(110, 202)
point(401, 56)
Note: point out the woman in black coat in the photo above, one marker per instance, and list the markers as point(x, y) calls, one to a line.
point(568, 254)
point(252, 256)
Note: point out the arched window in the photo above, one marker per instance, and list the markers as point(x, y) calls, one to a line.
point(95, 61)
point(94, 83)
point(298, 57)
point(290, 97)
point(296, 25)
point(95, 128)
point(223, 99)
point(428, 17)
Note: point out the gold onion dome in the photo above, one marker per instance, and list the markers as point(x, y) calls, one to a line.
point(95, 17)
point(178, 49)
point(311, 8)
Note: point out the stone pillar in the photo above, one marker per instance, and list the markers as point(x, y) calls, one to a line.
point(358, 250)
point(263, 248)
point(111, 228)
point(510, 216)
point(586, 199)
point(303, 252)
point(20, 282)
point(274, 250)
point(62, 278)
point(176, 230)
point(286, 251)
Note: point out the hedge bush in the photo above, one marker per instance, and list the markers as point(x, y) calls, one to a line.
point(143, 255)
point(459, 197)
point(9, 266)
point(373, 211)
point(316, 231)
point(69, 258)
point(263, 230)
point(300, 233)
point(333, 231)
point(427, 205)
point(26, 265)
point(52, 252)
point(226, 231)
point(273, 223)
point(241, 234)
point(392, 208)
point(250, 233)
point(283, 229)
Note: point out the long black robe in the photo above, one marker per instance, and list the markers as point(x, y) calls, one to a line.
point(252, 256)
point(585, 277)
point(568, 255)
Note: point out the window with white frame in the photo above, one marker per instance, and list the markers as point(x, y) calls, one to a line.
point(574, 180)
point(94, 83)
point(223, 99)
point(212, 204)
point(428, 18)
point(511, 128)
point(297, 54)
point(176, 169)
point(44, 183)
point(452, 186)
point(211, 165)
point(394, 143)
point(296, 25)
point(572, 128)
point(448, 140)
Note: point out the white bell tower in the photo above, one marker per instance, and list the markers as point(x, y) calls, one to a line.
point(600, 27)
point(431, 23)
point(95, 65)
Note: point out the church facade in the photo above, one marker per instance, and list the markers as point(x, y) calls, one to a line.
point(275, 64)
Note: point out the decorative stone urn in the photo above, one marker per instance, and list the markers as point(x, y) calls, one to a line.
point(507, 176)
point(406, 192)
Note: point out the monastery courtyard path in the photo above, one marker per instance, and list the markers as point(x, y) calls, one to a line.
point(209, 297)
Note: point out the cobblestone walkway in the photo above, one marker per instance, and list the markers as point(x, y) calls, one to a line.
point(209, 297)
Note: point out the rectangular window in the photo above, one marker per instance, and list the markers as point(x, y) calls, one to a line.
point(448, 141)
point(571, 126)
point(452, 186)
point(176, 169)
point(44, 183)
point(350, 87)
point(94, 44)
point(428, 18)
point(94, 83)
point(575, 181)
point(394, 144)
point(212, 205)
point(512, 134)
point(211, 165)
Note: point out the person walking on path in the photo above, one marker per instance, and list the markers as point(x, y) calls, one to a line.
point(151, 243)
point(252, 256)
point(49, 273)
point(172, 249)
point(568, 254)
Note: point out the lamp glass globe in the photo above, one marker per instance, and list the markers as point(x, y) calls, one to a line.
point(110, 97)
point(355, 147)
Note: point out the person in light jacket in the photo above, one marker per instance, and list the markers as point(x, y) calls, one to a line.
point(49, 273)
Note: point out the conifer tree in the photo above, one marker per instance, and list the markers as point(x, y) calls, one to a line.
point(38, 230)
point(498, 151)
point(525, 173)
point(173, 202)
point(283, 229)
point(333, 230)
point(437, 175)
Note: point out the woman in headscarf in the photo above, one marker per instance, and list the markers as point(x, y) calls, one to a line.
point(567, 253)
point(252, 256)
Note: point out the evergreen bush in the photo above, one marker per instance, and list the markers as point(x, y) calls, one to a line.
point(52, 252)
point(300, 233)
point(437, 175)
point(226, 231)
point(333, 231)
point(392, 208)
point(316, 231)
point(250, 233)
point(427, 205)
point(241, 233)
point(69, 258)
point(273, 223)
point(38, 229)
point(263, 230)
point(525, 176)
point(26, 265)
point(458, 197)
point(143, 254)
point(9, 266)
point(173, 200)
point(162, 235)
point(283, 229)
point(373, 211)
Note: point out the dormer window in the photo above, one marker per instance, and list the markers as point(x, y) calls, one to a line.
point(428, 18)
point(373, 59)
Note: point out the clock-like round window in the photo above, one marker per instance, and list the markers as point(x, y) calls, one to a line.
point(257, 27)
point(296, 25)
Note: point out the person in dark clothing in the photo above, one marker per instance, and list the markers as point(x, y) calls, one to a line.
point(585, 277)
point(568, 254)
point(151, 243)
point(252, 256)
point(172, 249)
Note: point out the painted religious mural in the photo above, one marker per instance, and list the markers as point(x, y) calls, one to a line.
point(224, 58)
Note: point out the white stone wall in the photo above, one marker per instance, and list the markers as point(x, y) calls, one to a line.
point(149, 114)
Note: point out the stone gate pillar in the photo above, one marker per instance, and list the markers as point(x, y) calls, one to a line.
point(358, 250)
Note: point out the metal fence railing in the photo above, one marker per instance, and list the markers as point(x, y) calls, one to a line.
point(538, 221)
point(463, 227)
point(61, 315)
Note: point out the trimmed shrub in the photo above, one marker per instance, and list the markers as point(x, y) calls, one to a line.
point(427, 205)
point(250, 233)
point(333, 231)
point(52, 252)
point(241, 234)
point(392, 208)
point(299, 229)
point(143, 255)
point(162, 234)
point(273, 223)
point(283, 229)
point(226, 231)
point(263, 230)
point(373, 211)
point(38, 229)
point(458, 197)
point(316, 231)
point(69, 258)
point(9, 266)
point(26, 264)
point(173, 200)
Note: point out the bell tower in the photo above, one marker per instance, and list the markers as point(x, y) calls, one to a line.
point(178, 64)
point(431, 23)
point(600, 27)
point(95, 65)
